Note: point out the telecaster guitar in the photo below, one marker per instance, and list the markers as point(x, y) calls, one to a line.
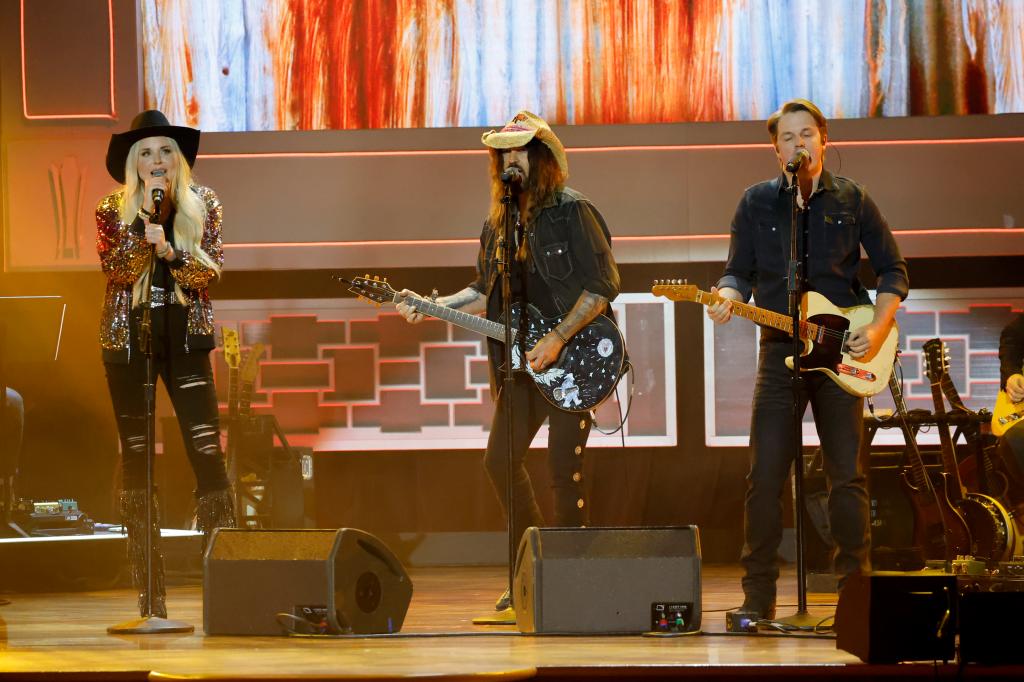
point(582, 378)
point(824, 331)
point(1005, 414)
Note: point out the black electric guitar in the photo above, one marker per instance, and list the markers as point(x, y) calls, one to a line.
point(824, 331)
point(993, 533)
point(582, 378)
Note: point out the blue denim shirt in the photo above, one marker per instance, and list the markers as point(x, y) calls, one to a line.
point(842, 219)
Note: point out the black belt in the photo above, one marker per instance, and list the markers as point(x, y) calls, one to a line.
point(161, 297)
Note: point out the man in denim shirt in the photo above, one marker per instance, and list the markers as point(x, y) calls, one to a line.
point(841, 219)
point(564, 267)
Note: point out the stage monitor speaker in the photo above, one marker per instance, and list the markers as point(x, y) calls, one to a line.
point(608, 580)
point(888, 617)
point(340, 581)
point(987, 631)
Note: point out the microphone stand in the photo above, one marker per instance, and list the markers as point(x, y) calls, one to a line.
point(797, 271)
point(149, 624)
point(508, 381)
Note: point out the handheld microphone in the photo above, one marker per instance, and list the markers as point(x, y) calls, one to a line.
point(512, 175)
point(800, 159)
point(158, 192)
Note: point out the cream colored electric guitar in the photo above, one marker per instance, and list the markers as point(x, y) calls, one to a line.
point(825, 330)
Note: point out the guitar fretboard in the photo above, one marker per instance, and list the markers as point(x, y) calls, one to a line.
point(764, 317)
point(481, 325)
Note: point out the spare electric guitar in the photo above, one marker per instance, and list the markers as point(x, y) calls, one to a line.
point(993, 533)
point(939, 529)
point(824, 330)
point(1005, 414)
point(582, 378)
point(243, 367)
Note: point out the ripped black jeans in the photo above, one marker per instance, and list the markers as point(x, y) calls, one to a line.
point(188, 377)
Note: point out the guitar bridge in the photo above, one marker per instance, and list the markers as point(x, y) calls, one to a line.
point(850, 370)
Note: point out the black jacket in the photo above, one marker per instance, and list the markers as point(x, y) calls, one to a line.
point(570, 248)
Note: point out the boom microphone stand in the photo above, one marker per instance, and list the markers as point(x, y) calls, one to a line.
point(797, 272)
point(149, 624)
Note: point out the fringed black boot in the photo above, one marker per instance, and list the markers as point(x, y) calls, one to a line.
point(133, 518)
point(215, 509)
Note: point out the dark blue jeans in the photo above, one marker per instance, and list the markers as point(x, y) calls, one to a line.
point(567, 441)
point(838, 417)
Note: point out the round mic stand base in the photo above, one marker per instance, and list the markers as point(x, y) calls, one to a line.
point(800, 620)
point(150, 625)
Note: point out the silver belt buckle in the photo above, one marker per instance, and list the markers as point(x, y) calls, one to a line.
point(161, 297)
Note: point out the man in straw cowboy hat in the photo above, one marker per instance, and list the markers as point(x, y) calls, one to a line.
point(161, 259)
point(563, 266)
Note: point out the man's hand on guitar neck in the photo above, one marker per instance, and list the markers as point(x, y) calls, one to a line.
point(411, 315)
point(469, 300)
point(721, 312)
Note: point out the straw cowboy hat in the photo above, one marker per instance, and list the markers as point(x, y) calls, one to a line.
point(523, 127)
point(150, 123)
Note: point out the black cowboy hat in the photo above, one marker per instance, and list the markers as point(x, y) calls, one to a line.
point(150, 123)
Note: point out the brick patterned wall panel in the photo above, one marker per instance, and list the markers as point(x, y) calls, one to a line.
point(332, 416)
point(281, 374)
point(399, 372)
point(341, 375)
point(400, 411)
point(479, 374)
point(296, 412)
point(475, 414)
point(294, 337)
point(355, 374)
point(445, 370)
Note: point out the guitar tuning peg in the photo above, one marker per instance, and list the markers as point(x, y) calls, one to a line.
point(366, 276)
point(685, 280)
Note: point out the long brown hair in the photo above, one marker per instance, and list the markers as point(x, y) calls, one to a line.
point(545, 177)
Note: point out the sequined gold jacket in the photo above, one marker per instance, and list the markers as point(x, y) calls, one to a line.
point(124, 255)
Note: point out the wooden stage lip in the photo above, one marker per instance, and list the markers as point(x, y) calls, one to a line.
point(63, 636)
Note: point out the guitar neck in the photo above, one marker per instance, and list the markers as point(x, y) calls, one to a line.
point(474, 323)
point(918, 473)
point(949, 464)
point(232, 392)
point(761, 316)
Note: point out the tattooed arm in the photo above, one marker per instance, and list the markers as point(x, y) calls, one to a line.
point(469, 300)
point(588, 306)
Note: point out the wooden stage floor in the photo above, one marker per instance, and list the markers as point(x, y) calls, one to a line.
point(63, 636)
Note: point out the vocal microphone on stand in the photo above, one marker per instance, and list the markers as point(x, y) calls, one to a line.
point(512, 176)
point(158, 192)
point(800, 159)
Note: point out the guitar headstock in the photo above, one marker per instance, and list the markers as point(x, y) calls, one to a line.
point(675, 290)
point(373, 290)
point(936, 359)
point(232, 349)
point(251, 364)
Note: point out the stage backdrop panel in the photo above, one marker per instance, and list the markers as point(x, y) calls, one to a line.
point(341, 375)
point(67, 56)
point(309, 64)
point(968, 320)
